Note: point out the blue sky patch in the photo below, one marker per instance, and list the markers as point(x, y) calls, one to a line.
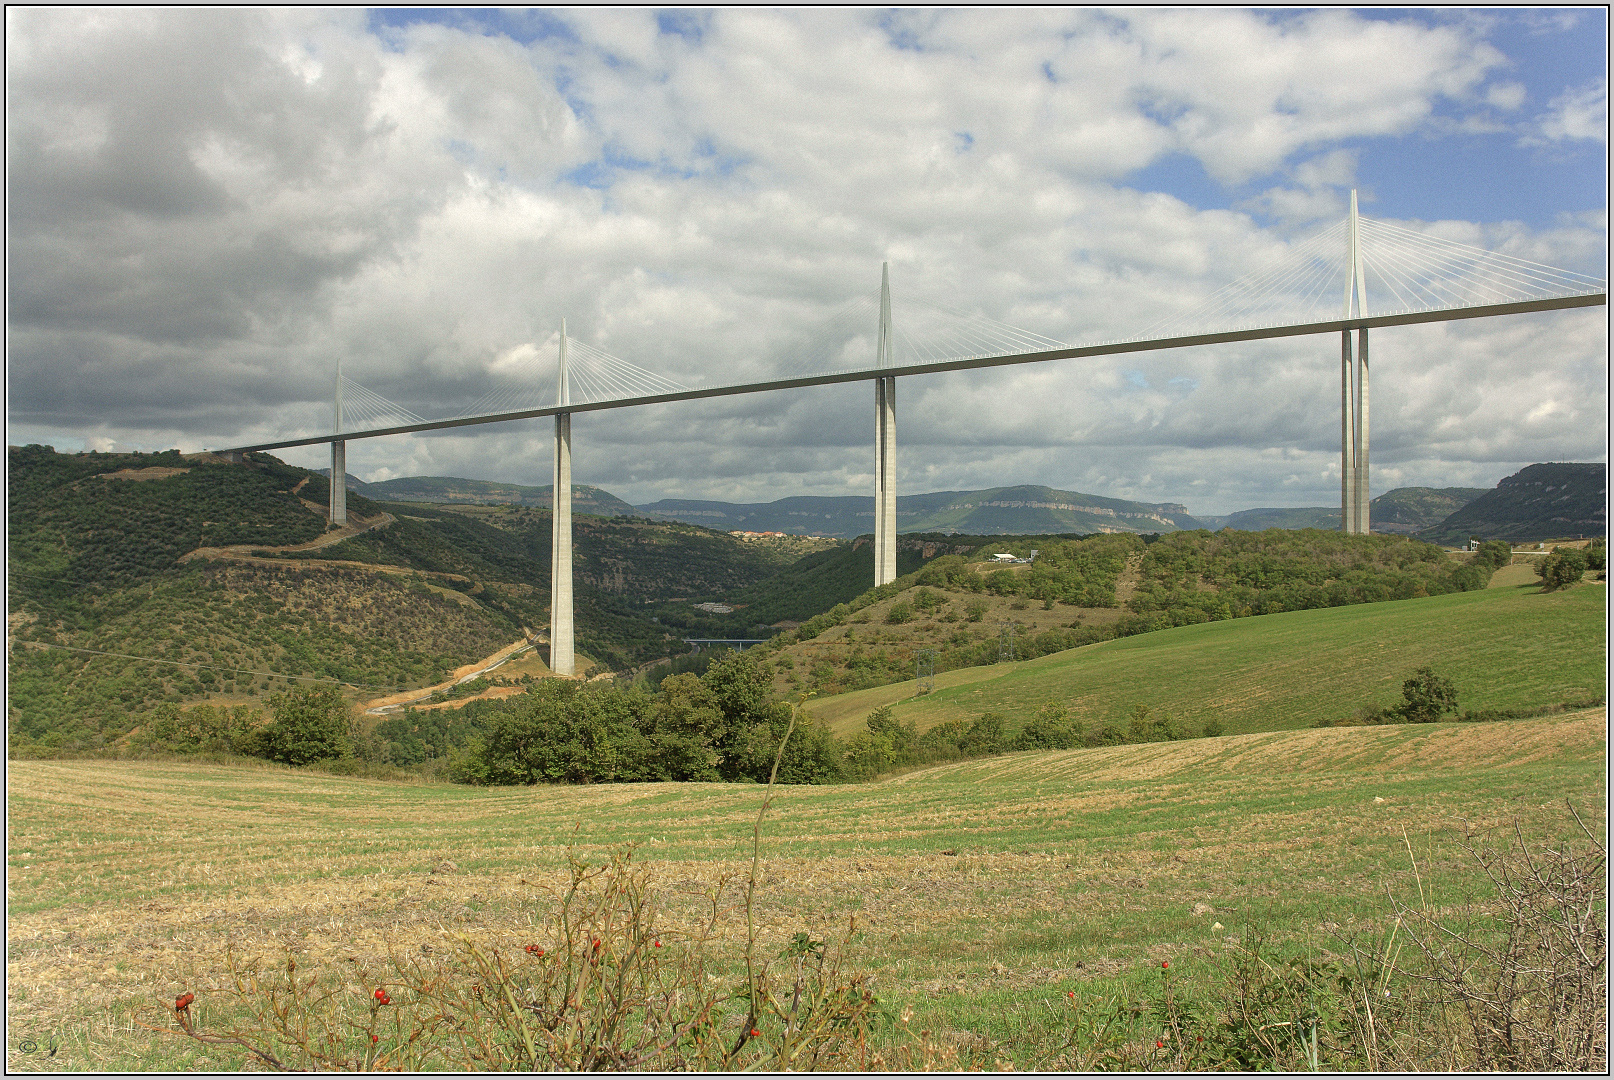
point(521, 25)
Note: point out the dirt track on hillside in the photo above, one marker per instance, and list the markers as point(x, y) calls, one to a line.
point(353, 528)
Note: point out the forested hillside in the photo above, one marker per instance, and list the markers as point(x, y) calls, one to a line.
point(1539, 502)
point(453, 489)
point(1410, 509)
point(1197, 577)
point(1001, 511)
point(1399, 510)
point(106, 620)
point(233, 631)
point(109, 621)
point(97, 544)
point(965, 610)
point(101, 520)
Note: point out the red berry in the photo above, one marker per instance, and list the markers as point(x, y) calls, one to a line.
point(755, 1033)
point(381, 996)
point(1165, 963)
point(1158, 1045)
point(183, 1002)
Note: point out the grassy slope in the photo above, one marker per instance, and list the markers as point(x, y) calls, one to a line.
point(1504, 648)
point(983, 890)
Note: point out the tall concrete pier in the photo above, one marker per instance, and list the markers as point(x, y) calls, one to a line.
point(338, 482)
point(885, 447)
point(562, 659)
point(1353, 425)
point(338, 460)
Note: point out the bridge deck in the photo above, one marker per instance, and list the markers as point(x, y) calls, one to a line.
point(1074, 352)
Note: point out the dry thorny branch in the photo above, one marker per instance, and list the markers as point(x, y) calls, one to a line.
point(1528, 968)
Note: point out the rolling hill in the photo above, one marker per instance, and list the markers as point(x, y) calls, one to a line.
point(1411, 509)
point(1553, 500)
point(1504, 648)
point(454, 489)
point(1021, 510)
point(1401, 510)
point(139, 579)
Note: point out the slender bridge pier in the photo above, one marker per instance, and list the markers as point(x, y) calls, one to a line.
point(1422, 278)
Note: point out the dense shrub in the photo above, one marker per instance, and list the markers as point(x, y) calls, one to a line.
point(1050, 729)
point(203, 729)
point(308, 725)
point(1427, 697)
point(1561, 569)
point(1493, 554)
point(721, 725)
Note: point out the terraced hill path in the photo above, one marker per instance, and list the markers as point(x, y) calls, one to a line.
point(354, 527)
point(462, 674)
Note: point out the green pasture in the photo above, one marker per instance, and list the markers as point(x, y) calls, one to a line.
point(984, 892)
point(1505, 648)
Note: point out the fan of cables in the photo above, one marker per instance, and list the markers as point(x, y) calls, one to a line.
point(1404, 271)
point(592, 375)
point(365, 410)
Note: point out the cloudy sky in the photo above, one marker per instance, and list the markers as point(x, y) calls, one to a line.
point(208, 209)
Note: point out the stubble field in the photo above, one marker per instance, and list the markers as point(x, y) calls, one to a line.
point(983, 891)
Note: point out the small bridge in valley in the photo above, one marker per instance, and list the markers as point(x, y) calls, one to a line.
point(1321, 286)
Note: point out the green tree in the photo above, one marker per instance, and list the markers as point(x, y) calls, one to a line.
point(309, 725)
point(1050, 729)
point(1428, 697)
point(685, 722)
point(1561, 569)
point(1494, 553)
point(984, 736)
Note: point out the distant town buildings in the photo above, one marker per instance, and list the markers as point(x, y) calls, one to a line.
point(745, 534)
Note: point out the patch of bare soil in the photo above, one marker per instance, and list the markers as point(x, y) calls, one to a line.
point(1127, 583)
point(493, 694)
point(354, 527)
point(463, 673)
point(155, 472)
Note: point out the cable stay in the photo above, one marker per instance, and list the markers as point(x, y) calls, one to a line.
point(364, 409)
point(1404, 272)
point(1415, 271)
point(847, 339)
point(528, 381)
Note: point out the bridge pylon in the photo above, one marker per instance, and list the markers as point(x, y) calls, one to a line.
point(1353, 423)
point(885, 446)
point(338, 459)
point(562, 657)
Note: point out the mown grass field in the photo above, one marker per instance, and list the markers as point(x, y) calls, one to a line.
point(1510, 647)
point(984, 891)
